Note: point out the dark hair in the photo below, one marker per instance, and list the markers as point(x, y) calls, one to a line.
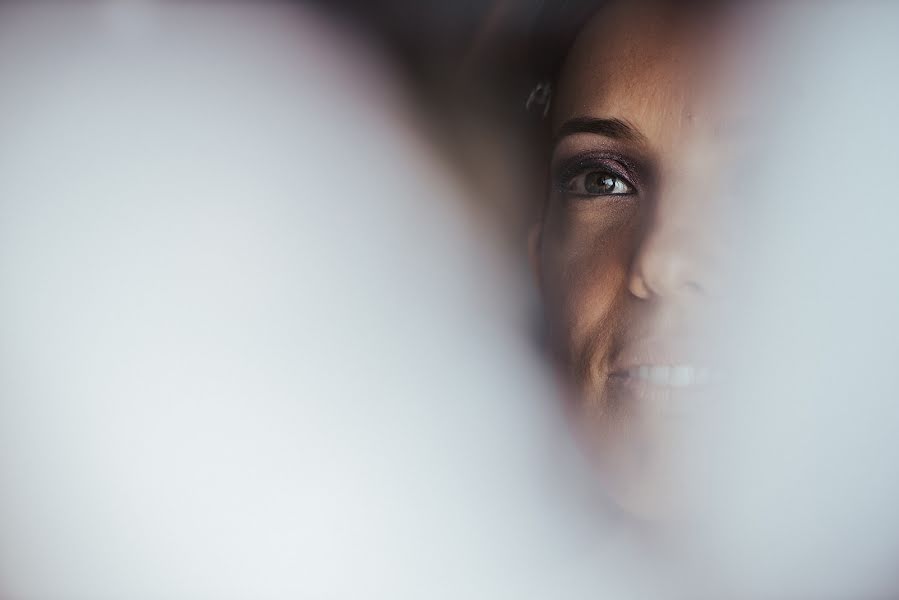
point(554, 33)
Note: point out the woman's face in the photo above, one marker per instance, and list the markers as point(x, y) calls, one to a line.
point(625, 245)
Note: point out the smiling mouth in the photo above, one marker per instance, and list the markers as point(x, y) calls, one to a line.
point(669, 376)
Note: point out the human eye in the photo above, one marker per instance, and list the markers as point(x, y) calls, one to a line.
point(591, 176)
point(598, 183)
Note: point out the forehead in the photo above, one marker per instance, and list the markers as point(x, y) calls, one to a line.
point(637, 62)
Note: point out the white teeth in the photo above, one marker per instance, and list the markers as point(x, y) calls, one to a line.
point(671, 376)
point(681, 375)
point(660, 375)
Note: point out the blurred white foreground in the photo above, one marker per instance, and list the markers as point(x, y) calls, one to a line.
point(249, 345)
point(801, 470)
point(252, 347)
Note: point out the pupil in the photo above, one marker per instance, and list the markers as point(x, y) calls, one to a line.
point(600, 183)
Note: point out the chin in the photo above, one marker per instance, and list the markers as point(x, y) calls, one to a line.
point(638, 455)
point(645, 496)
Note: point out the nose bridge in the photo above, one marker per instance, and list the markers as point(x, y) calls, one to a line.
point(673, 258)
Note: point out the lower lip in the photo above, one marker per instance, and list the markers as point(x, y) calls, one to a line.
point(674, 392)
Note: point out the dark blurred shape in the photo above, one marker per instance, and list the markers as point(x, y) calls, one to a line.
point(502, 43)
point(473, 65)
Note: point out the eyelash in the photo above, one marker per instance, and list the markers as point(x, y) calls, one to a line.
point(584, 164)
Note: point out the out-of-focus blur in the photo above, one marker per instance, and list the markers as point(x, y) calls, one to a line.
point(254, 343)
point(268, 326)
point(802, 483)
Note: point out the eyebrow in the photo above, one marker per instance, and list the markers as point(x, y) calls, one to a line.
point(611, 128)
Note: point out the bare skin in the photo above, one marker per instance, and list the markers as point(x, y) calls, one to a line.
point(626, 246)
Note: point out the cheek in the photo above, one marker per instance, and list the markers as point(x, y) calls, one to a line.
point(594, 285)
point(586, 266)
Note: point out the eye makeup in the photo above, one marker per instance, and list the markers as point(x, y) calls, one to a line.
point(566, 170)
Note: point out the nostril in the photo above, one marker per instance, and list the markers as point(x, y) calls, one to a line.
point(692, 287)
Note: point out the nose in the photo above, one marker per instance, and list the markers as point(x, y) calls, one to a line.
point(673, 261)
